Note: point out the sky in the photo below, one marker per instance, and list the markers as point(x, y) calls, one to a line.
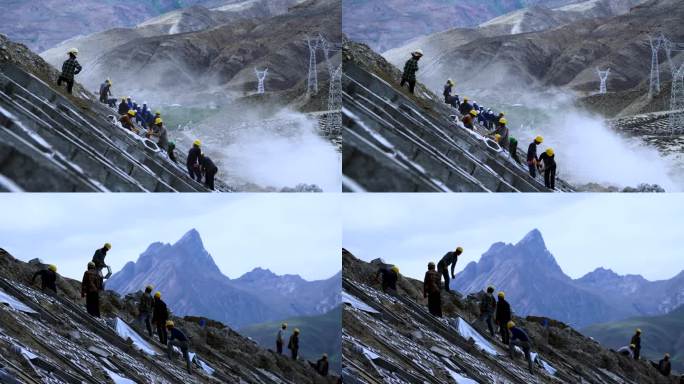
point(286, 233)
point(628, 233)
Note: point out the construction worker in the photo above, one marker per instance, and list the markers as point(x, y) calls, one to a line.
point(513, 149)
point(627, 351)
point(70, 67)
point(636, 341)
point(99, 257)
point(159, 131)
point(127, 121)
point(664, 366)
point(449, 259)
point(532, 158)
point(410, 69)
point(48, 278)
point(160, 314)
point(322, 365)
point(170, 151)
point(469, 118)
point(105, 91)
point(389, 275)
point(503, 316)
point(123, 107)
point(145, 308)
point(520, 339)
point(448, 97)
point(208, 169)
point(487, 309)
point(178, 339)
point(129, 102)
point(547, 164)
point(465, 107)
point(502, 130)
point(193, 159)
point(293, 344)
point(432, 290)
point(91, 285)
point(280, 339)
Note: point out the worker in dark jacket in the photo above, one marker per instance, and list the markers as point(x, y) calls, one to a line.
point(322, 365)
point(160, 314)
point(547, 164)
point(513, 149)
point(105, 91)
point(468, 119)
point(487, 309)
point(432, 290)
point(636, 340)
point(280, 340)
point(503, 316)
point(48, 278)
point(449, 259)
point(145, 308)
point(193, 159)
point(532, 158)
point(520, 339)
point(448, 97)
point(389, 275)
point(209, 170)
point(465, 107)
point(178, 339)
point(99, 257)
point(293, 344)
point(158, 131)
point(123, 107)
point(70, 67)
point(171, 151)
point(664, 366)
point(410, 69)
point(91, 285)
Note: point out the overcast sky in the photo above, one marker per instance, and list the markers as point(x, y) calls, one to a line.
point(286, 233)
point(628, 233)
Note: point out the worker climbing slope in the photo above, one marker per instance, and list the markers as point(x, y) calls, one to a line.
point(388, 276)
point(280, 338)
point(410, 69)
point(193, 161)
point(178, 339)
point(48, 278)
point(99, 259)
point(293, 344)
point(532, 158)
point(145, 308)
point(160, 314)
point(449, 259)
point(503, 316)
point(547, 164)
point(432, 290)
point(636, 341)
point(487, 309)
point(70, 68)
point(519, 338)
point(91, 285)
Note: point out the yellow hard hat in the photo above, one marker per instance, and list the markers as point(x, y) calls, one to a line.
point(197, 142)
point(284, 325)
point(73, 50)
point(157, 112)
point(149, 288)
point(395, 269)
point(497, 137)
point(296, 330)
point(450, 82)
point(465, 98)
point(169, 323)
point(473, 112)
point(549, 151)
point(108, 82)
point(107, 245)
point(157, 295)
point(510, 324)
point(158, 120)
point(667, 355)
point(502, 294)
point(503, 121)
point(638, 330)
point(131, 112)
point(123, 98)
point(52, 267)
point(325, 355)
point(539, 139)
point(459, 249)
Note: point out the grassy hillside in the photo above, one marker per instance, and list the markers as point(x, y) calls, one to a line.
point(660, 334)
point(319, 334)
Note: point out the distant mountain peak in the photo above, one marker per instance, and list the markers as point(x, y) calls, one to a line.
point(191, 237)
point(258, 273)
point(534, 237)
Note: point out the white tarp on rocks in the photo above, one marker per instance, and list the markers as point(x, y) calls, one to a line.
point(460, 379)
point(356, 303)
point(465, 330)
point(127, 332)
point(14, 303)
point(205, 367)
point(119, 379)
point(547, 367)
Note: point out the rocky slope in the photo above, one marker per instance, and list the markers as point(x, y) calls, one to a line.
point(46, 23)
point(660, 334)
point(527, 272)
point(193, 284)
point(392, 338)
point(394, 141)
point(48, 338)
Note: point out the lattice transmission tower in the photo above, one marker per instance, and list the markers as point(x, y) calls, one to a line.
point(261, 76)
point(603, 76)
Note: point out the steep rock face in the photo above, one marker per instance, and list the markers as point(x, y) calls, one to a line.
point(191, 283)
point(535, 284)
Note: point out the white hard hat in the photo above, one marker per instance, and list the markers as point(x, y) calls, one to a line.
point(418, 52)
point(74, 51)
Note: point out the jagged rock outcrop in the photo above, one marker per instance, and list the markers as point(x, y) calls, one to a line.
point(392, 338)
point(48, 338)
